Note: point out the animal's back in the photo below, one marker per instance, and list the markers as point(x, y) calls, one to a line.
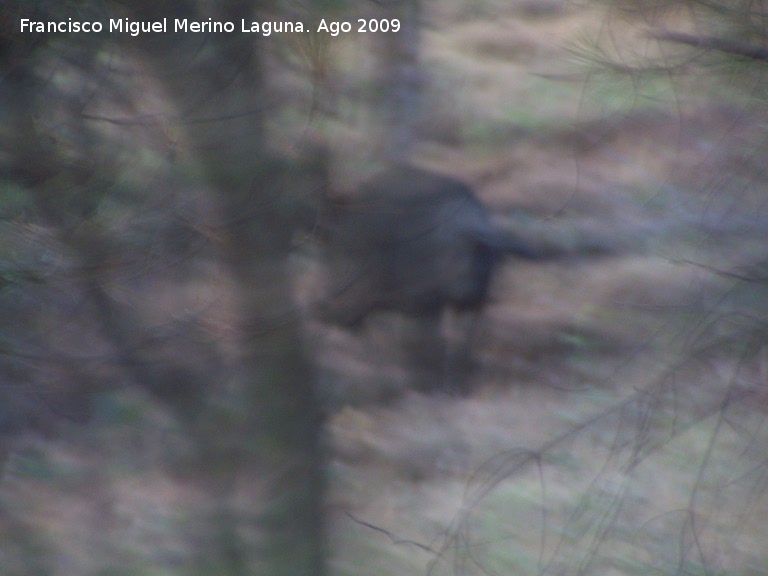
point(411, 241)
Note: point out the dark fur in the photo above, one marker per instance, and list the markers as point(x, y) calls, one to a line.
point(417, 243)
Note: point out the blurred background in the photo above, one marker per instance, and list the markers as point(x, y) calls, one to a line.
point(173, 399)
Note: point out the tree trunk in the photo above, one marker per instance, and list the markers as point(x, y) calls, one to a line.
point(276, 428)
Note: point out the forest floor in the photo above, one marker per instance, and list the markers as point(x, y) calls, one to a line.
point(614, 421)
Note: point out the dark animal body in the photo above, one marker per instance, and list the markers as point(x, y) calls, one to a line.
point(418, 243)
point(415, 242)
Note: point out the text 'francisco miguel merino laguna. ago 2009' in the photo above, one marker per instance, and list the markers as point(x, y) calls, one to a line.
point(184, 25)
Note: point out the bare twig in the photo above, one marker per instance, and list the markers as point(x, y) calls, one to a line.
point(725, 45)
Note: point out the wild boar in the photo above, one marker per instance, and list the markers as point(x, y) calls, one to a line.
point(418, 243)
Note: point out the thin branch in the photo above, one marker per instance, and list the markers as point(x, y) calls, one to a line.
point(388, 534)
point(733, 47)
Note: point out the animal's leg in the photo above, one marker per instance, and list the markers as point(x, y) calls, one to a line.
point(425, 351)
point(461, 330)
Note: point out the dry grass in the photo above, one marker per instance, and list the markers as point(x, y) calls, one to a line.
point(549, 465)
point(599, 435)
